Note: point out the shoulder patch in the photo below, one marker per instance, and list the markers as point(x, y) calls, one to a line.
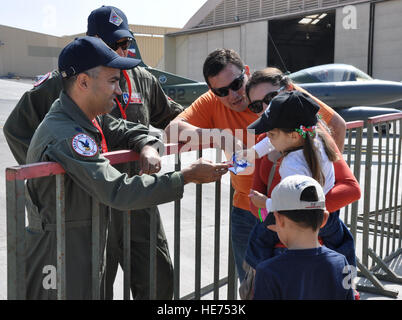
point(84, 145)
point(42, 79)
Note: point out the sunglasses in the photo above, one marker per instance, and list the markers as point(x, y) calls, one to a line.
point(123, 44)
point(235, 85)
point(257, 105)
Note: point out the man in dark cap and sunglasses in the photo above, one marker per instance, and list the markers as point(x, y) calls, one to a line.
point(142, 100)
point(225, 107)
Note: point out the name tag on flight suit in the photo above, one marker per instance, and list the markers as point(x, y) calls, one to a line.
point(135, 98)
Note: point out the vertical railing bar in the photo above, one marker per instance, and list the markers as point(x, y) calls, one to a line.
point(152, 256)
point(61, 237)
point(393, 178)
point(384, 198)
point(177, 224)
point(127, 251)
point(389, 210)
point(232, 276)
point(104, 279)
point(95, 249)
point(348, 161)
point(367, 192)
point(126, 254)
point(15, 202)
point(356, 172)
point(198, 230)
point(377, 199)
point(217, 229)
point(397, 196)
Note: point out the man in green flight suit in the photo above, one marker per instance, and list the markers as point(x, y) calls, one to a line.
point(142, 100)
point(73, 134)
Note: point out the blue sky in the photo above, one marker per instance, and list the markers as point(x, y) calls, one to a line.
point(64, 17)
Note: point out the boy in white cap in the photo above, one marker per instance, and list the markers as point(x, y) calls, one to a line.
point(306, 270)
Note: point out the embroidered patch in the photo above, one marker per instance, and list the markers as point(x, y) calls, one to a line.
point(132, 53)
point(125, 97)
point(162, 79)
point(115, 19)
point(42, 79)
point(135, 98)
point(84, 145)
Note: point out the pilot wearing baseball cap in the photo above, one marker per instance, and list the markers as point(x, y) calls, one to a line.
point(111, 25)
point(89, 52)
point(76, 133)
point(141, 100)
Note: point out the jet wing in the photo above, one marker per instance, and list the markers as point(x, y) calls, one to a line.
point(355, 93)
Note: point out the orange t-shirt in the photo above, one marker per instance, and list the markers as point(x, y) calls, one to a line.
point(209, 112)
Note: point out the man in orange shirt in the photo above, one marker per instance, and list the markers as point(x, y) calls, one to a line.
point(224, 107)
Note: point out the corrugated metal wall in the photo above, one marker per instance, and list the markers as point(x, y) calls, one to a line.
point(229, 11)
point(151, 43)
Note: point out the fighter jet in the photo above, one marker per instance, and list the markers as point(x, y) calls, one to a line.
point(180, 89)
point(348, 90)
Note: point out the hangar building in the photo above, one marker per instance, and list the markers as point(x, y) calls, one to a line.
point(292, 35)
point(28, 54)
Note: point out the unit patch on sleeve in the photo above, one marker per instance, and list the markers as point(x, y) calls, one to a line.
point(84, 145)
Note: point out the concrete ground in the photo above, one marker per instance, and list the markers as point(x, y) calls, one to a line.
point(12, 90)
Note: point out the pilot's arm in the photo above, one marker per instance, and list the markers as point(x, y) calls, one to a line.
point(163, 108)
point(29, 113)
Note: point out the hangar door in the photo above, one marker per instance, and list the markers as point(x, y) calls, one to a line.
point(306, 41)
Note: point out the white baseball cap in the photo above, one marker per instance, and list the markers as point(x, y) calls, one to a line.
point(286, 195)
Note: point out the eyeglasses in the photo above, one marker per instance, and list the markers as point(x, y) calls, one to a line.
point(257, 105)
point(124, 45)
point(235, 85)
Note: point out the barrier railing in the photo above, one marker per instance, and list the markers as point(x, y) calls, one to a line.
point(16, 268)
point(379, 226)
point(382, 215)
point(377, 219)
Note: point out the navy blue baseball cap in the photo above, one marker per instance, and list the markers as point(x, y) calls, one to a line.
point(289, 110)
point(108, 23)
point(89, 52)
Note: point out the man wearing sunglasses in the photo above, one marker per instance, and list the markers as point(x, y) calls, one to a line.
point(225, 106)
point(143, 101)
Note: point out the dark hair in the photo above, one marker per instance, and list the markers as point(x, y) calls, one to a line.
point(218, 60)
point(68, 82)
point(270, 75)
point(311, 218)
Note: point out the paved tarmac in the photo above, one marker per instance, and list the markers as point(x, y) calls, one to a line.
point(12, 90)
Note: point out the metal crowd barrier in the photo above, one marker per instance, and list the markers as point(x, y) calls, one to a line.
point(377, 151)
point(16, 267)
point(377, 222)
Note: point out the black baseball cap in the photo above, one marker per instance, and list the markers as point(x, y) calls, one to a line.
point(289, 110)
point(109, 23)
point(89, 52)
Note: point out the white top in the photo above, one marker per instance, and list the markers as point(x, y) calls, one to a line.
point(295, 163)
